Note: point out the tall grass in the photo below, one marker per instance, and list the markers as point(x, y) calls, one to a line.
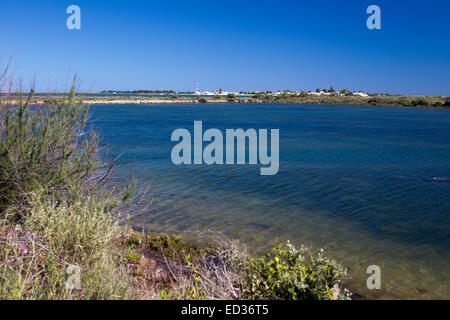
point(55, 238)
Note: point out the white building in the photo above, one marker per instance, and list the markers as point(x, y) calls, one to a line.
point(321, 93)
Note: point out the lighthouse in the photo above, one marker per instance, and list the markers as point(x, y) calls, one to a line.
point(197, 90)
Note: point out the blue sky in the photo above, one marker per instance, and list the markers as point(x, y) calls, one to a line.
point(234, 45)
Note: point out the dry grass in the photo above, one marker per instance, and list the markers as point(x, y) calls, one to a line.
point(167, 267)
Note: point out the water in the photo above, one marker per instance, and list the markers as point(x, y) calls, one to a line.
point(370, 185)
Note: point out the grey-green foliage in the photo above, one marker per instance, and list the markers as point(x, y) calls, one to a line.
point(46, 149)
point(295, 274)
point(231, 97)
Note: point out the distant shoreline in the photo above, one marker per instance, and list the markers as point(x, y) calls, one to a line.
point(374, 100)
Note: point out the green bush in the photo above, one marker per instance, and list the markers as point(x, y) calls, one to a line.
point(375, 101)
point(45, 149)
point(202, 100)
point(295, 274)
point(420, 102)
point(283, 96)
point(231, 97)
point(177, 248)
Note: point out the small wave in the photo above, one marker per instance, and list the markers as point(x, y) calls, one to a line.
point(441, 179)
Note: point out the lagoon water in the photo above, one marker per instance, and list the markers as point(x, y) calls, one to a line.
point(370, 185)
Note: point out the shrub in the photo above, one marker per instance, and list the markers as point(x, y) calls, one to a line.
point(202, 100)
point(420, 102)
point(283, 96)
point(175, 247)
point(295, 274)
point(375, 101)
point(46, 149)
point(231, 97)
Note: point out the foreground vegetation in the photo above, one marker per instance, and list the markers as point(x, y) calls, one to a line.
point(63, 236)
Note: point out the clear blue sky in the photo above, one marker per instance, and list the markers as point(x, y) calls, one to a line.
point(234, 45)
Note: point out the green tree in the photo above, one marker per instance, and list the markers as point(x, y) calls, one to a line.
point(231, 97)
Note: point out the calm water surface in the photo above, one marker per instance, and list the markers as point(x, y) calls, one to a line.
point(370, 185)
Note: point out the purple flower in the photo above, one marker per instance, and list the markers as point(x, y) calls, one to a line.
point(129, 265)
point(6, 262)
point(10, 231)
point(18, 229)
point(28, 233)
point(22, 243)
point(23, 250)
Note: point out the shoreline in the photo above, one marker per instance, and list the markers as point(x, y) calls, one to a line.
point(376, 101)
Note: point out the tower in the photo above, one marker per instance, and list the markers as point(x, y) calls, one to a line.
point(197, 90)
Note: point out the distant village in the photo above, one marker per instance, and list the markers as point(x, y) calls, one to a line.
point(318, 92)
point(220, 92)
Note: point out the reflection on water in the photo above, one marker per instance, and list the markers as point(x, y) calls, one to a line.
point(371, 185)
